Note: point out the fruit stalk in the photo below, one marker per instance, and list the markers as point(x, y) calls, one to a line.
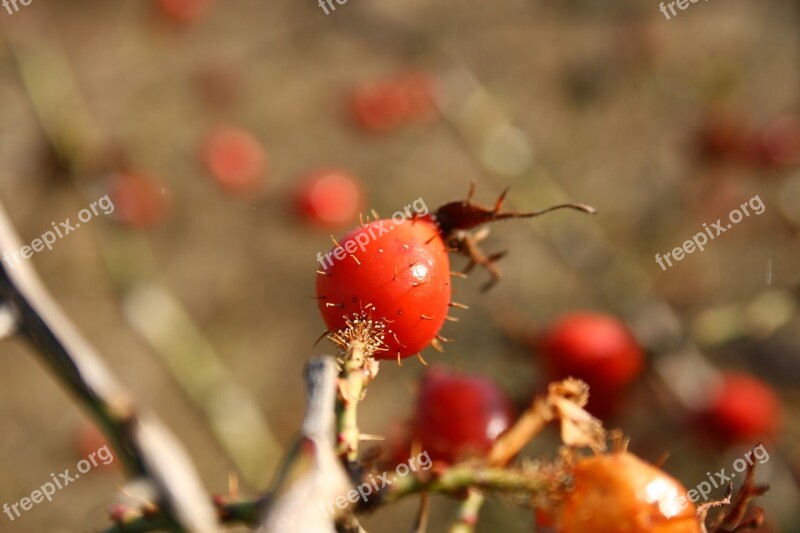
point(357, 370)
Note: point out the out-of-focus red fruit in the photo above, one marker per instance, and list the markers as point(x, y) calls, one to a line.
point(329, 197)
point(139, 201)
point(459, 416)
point(620, 492)
point(594, 347)
point(184, 11)
point(90, 440)
point(380, 106)
point(780, 143)
point(743, 409)
point(235, 160)
point(422, 90)
point(728, 136)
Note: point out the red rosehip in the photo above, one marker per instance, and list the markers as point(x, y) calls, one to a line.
point(780, 143)
point(329, 197)
point(184, 11)
point(594, 347)
point(421, 89)
point(380, 106)
point(398, 274)
point(620, 492)
point(743, 409)
point(459, 416)
point(728, 136)
point(235, 159)
point(139, 201)
point(88, 440)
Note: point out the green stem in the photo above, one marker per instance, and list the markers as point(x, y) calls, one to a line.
point(467, 517)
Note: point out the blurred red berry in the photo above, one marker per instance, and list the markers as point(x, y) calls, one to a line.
point(727, 136)
point(780, 143)
point(329, 197)
point(620, 492)
point(380, 106)
point(459, 416)
point(184, 11)
point(399, 274)
point(88, 440)
point(139, 201)
point(235, 159)
point(743, 409)
point(594, 347)
point(421, 89)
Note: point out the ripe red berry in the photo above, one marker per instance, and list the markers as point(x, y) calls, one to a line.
point(88, 440)
point(620, 492)
point(398, 274)
point(422, 90)
point(728, 136)
point(380, 106)
point(459, 416)
point(328, 197)
point(743, 409)
point(780, 143)
point(184, 11)
point(139, 201)
point(594, 347)
point(235, 159)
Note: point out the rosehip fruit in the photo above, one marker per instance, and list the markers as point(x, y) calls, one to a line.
point(396, 273)
point(421, 90)
point(459, 416)
point(235, 159)
point(594, 347)
point(743, 409)
point(620, 492)
point(780, 143)
point(328, 197)
point(380, 106)
point(139, 201)
point(184, 11)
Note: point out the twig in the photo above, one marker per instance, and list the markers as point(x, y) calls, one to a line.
point(144, 446)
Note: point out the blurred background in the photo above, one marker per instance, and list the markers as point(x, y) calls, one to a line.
point(235, 137)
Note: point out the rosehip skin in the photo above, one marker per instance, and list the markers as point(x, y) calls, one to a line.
point(594, 347)
point(743, 410)
point(459, 416)
point(620, 492)
point(396, 273)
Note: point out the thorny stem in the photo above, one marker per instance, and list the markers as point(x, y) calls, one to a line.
point(358, 341)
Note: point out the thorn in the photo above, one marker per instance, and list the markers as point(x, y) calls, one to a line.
point(356, 260)
point(437, 346)
point(399, 362)
point(361, 220)
point(460, 306)
point(394, 335)
point(426, 317)
point(324, 334)
point(421, 360)
point(388, 321)
point(317, 297)
point(451, 319)
point(499, 203)
point(461, 275)
point(405, 246)
point(471, 191)
point(432, 238)
point(375, 214)
point(328, 304)
point(395, 274)
point(335, 242)
point(420, 284)
point(443, 339)
point(323, 273)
